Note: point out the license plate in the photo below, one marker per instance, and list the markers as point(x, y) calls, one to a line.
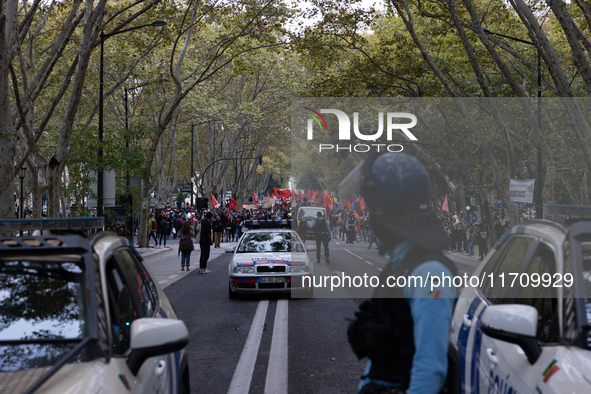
point(272, 279)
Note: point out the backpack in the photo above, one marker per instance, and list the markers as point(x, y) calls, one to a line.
point(186, 245)
point(152, 225)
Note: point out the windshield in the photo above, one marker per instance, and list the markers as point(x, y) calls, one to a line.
point(42, 305)
point(262, 242)
point(310, 213)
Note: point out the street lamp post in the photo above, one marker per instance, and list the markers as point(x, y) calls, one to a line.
point(539, 185)
point(22, 173)
point(104, 36)
point(192, 173)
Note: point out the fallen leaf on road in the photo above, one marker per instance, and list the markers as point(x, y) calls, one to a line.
point(311, 375)
point(332, 359)
point(265, 327)
point(174, 291)
point(238, 328)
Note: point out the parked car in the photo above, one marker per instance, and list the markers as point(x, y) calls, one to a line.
point(269, 260)
point(527, 327)
point(82, 314)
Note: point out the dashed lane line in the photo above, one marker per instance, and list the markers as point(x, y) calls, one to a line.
point(356, 255)
point(368, 262)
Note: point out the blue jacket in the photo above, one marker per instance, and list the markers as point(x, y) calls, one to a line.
point(431, 324)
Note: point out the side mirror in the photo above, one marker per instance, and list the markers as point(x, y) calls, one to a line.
point(151, 337)
point(515, 324)
point(230, 249)
point(311, 248)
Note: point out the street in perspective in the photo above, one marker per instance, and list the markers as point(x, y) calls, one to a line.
point(285, 197)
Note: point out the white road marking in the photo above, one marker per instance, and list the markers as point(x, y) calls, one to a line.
point(368, 262)
point(172, 276)
point(379, 269)
point(276, 382)
point(243, 374)
point(336, 243)
point(356, 255)
point(162, 281)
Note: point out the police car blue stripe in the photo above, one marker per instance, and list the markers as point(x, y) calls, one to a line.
point(475, 370)
point(463, 340)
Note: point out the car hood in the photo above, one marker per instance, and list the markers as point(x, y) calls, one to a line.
point(252, 259)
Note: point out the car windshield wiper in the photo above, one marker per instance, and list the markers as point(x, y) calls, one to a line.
point(69, 356)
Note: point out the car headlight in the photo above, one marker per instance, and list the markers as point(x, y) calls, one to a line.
point(244, 270)
point(299, 268)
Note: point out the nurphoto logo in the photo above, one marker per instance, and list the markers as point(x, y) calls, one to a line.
point(344, 130)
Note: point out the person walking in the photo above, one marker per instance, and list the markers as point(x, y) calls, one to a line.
point(482, 241)
point(163, 230)
point(151, 231)
point(205, 243)
point(303, 228)
point(410, 325)
point(218, 229)
point(321, 229)
point(186, 245)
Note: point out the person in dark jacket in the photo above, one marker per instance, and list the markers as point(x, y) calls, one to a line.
point(162, 230)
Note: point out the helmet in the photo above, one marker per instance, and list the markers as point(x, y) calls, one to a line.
point(397, 190)
point(395, 182)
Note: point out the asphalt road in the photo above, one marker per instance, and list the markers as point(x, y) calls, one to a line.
point(275, 344)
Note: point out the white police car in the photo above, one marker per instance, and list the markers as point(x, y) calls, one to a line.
point(83, 315)
point(527, 327)
point(268, 260)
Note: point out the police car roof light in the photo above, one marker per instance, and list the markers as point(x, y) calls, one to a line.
point(52, 224)
point(572, 212)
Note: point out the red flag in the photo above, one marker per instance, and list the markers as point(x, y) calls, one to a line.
point(444, 207)
point(255, 199)
point(327, 202)
point(214, 202)
point(232, 204)
point(361, 204)
point(358, 229)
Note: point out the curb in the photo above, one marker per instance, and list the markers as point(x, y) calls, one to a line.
point(148, 253)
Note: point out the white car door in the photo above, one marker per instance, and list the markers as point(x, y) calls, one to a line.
point(129, 299)
point(509, 368)
point(482, 369)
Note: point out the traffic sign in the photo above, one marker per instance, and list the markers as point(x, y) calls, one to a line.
point(472, 217)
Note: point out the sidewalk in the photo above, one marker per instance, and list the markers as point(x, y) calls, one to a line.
point(165, 266)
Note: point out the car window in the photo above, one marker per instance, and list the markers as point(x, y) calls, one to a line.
point(501, 267)
point(41, 300)
point(131, 296)
point(541, 294)
point(139, 286)
point(262, 242)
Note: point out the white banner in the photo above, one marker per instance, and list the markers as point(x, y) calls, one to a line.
point(522, 191)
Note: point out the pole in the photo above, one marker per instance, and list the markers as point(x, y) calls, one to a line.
point(540, 185)
point(126, 132)
point(99, 183)
point(20, 208)
point(192, 173)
